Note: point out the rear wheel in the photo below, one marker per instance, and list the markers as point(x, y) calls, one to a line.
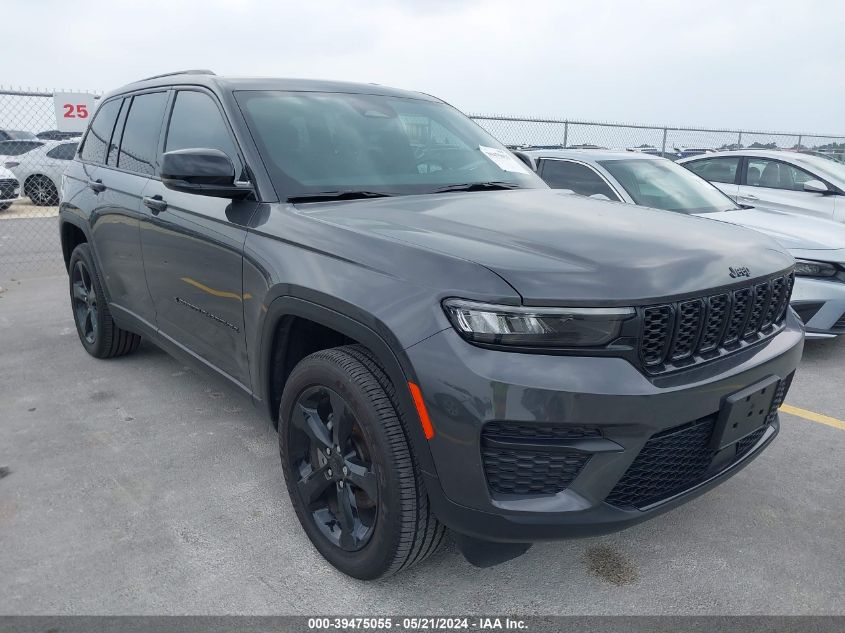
point(351, 476)
point(42, 191)
point(97, 330)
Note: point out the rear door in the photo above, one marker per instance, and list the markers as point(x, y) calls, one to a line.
point(193, 248)
point(723, 172)
point(776, 184)
point(123, 178)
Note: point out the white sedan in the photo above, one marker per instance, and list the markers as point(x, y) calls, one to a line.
point(39, 170)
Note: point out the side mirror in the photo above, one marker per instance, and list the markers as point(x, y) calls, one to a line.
point(816, 186)
point(201, 171)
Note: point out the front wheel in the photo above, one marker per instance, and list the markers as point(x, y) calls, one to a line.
point(349, 471)
point(5, 205)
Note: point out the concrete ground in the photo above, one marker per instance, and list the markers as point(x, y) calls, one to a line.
point(139, 486)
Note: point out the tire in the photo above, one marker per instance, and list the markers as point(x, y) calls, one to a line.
point(5, 205)
point(94, 324)
point(392, 526)
point(42, 191)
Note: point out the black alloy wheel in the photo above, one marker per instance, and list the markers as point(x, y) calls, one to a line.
point(336, 481)
point(85, 305)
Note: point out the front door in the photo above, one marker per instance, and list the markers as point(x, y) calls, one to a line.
point(193, 247)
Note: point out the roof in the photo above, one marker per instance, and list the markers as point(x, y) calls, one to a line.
point(216, 82)
point(765, 153)
point(588, 154)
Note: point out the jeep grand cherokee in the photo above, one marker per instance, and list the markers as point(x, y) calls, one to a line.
point(440, 339)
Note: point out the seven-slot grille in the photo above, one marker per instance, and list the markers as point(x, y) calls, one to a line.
point(685, 332)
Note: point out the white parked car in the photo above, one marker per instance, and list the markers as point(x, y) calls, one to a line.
point(39, 169)
point(793, 182)
point(9, 188)
point(817, 244)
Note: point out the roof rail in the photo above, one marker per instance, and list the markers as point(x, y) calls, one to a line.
point(178, 72)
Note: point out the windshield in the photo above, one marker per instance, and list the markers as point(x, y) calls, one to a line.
point(663, 184)
point(314, 142)
point(829, 169)
point(18, 134)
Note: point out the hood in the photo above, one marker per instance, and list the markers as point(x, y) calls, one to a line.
point(560, 249)
point(792, 231)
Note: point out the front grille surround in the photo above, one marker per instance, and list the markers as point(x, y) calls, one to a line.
point(685, 333)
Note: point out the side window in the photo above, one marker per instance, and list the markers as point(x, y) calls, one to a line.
point(773, 174)
point(99, 134)
point(196, 122)
point(564, 174)
point(114, 146)
point(65, 151)
point(716, 169)
point(139, 144)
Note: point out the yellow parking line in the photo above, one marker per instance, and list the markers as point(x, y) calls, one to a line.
point(815, 417)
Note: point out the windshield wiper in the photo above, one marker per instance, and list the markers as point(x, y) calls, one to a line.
point(492, 185)
point(324, 196)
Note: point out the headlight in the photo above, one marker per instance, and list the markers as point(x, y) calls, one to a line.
point(809, 268)
point(535, 327)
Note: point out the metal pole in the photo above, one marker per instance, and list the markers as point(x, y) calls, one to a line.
point(739, 139)
point(800, 136)
point(663, 146)
point(565, 133)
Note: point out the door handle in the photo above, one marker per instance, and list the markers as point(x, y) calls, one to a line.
point(96, 186)
point(156, 203)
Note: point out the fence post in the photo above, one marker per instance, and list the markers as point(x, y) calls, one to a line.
point(800, 136)
point(565, 134)
point(663, 146)
point(739, 140)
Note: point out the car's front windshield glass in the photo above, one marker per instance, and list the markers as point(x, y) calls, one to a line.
point(317, 142)
point(827, 168)
point(662, 184)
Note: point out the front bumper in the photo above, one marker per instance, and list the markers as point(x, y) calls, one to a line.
point(466, 387)
point(822, 304)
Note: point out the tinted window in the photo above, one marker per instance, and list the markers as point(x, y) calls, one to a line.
point(564, 174)
point(662, 184)
point(774, 174)
point(114, 146)
point(139, 144)
point(329, 142)
point(196, 122)
point(716, 169)
point(16, 148)
point(97, 139)
point(65, 151)
point(15, 134)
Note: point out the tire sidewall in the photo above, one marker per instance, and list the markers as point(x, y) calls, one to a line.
point(83, 253)
point(377, 555)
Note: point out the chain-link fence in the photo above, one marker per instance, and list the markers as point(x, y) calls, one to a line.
point(33, 155)
point(672, 142)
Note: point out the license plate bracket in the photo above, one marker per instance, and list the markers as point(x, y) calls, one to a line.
point(744, 412)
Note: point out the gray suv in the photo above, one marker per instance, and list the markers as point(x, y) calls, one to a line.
point(440, 339)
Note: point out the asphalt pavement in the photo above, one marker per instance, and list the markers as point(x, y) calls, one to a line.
point(140, 486)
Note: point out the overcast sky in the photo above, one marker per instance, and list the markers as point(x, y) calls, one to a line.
point(774, 65)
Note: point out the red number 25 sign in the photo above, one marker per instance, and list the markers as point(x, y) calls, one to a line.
point(73, 110)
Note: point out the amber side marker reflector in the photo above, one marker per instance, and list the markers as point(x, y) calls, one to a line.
point(416, 394)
